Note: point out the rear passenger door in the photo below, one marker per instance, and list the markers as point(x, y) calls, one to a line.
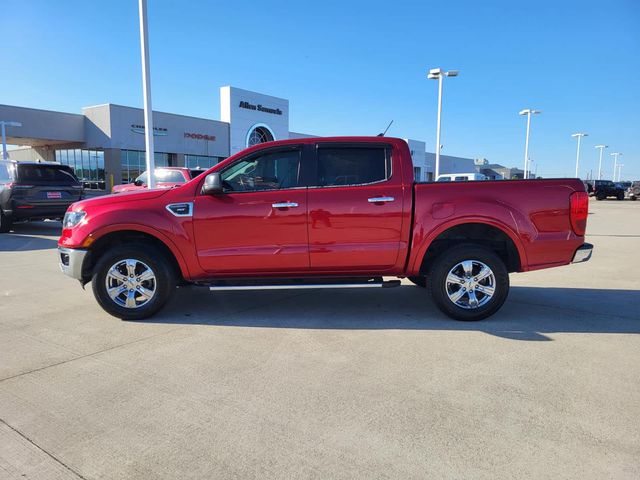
point(355, 208)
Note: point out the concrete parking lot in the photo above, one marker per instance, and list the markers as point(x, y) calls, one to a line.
point(325, 384)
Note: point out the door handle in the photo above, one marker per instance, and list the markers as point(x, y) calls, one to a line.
point(381, 199)
point(284, 205)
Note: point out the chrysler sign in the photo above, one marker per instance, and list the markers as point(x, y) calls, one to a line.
point(260, 108)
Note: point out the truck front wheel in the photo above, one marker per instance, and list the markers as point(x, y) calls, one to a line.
point(469, 282)
point(133, 282)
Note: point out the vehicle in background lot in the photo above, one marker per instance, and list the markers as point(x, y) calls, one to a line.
point(166, 177)
point(461, 177)
point(35, 191)
point(278, 215)
point(606, 188)
point(633, 192)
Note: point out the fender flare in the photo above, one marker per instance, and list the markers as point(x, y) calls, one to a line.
point(418, 257)
point(136, 227)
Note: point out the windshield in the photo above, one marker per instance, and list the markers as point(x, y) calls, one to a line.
point(163, 175)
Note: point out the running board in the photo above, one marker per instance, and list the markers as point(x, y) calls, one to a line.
point(304, 284)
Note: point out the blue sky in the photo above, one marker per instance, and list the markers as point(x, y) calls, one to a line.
point(349, 67)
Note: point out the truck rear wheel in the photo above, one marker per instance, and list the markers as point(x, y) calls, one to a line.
point(469, 282)
point(133, 282)
point(600, 196)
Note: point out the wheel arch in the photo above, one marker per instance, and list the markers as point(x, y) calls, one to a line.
point(120, 234)
point(496, 236)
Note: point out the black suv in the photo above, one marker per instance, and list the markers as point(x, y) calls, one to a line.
point(606, 188)
point(35, 191)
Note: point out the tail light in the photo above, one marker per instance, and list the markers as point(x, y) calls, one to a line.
point(579, 210)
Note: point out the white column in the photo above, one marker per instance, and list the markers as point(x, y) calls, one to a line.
point(146, 91)
point(438, 126)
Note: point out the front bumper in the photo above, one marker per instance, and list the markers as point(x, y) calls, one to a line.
point(71, 261)
point(583, 253)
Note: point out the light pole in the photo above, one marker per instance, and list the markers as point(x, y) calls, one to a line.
point(620, 165)
point(4, 124)
point(579, 137)
point(615, 156)
point(601, 148)
point(528, 112)
point(146, 92)
point(439, 74)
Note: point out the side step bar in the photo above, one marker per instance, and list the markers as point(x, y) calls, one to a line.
point(303, 284)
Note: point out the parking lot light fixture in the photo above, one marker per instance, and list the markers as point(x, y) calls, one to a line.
point(3, 125)
point(146, 92)
point(615, 156)
point(579, 137)
point(620, 165)
point(601, 148)
point(439, 74)
point(528, 112)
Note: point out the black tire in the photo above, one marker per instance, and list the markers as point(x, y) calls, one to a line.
point(451, 258)
point(5, 223)
point(600, 196)
point(164, 281)
point(620, 196)
point(633, 199)
point(418, 281)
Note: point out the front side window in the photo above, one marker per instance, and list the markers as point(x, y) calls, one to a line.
point(352, 166)
point(269, 171)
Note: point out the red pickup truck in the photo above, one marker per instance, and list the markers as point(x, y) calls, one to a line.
point(323, 213)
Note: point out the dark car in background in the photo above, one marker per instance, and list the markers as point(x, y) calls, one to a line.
point(633, 192)
point(606, 188)
point(35, 191)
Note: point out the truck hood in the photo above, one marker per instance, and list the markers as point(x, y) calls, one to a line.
point(119, 198)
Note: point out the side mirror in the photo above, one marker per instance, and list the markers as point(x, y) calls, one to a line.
point(212, 184)
point(138, 183)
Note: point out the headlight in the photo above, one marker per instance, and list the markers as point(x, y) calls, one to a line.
point(71, 219)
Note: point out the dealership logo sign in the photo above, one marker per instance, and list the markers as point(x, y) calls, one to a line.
point(157, 131)
point(260, 108)
point(200, 136)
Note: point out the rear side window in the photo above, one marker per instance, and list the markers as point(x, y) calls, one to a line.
point(352, 165)
point(46, 173)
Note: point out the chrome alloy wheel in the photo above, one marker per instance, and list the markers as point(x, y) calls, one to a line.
point(470, 284)
point(130, 283)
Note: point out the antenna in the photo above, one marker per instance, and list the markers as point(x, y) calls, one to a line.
point(385, 130)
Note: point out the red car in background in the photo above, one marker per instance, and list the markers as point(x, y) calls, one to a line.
point(166, 177)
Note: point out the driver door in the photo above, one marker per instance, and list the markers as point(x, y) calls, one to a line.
point(259, 223)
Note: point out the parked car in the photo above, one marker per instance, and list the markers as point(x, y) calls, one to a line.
point(35, 191)
point(633, 192)
point(278, 215)
point(166, 177)
point(606, 188)
point(461, 177)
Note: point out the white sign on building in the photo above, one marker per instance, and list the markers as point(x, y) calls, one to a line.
point(253, 117)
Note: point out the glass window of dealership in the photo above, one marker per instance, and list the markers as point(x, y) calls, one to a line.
point(88, 164)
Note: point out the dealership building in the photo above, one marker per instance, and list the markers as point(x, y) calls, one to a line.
point(105, 143)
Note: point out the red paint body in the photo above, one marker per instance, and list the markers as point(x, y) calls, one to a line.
point(335, 231)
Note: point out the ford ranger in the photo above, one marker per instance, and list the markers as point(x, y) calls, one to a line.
point(323, 213)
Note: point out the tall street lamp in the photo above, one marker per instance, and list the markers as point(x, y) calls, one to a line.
point(579, 137)
point(3, 125)
point(620, 165)
point(146, 92)
point(601, 148)
point(528, 112)
point(439, 74)
point(615, 156)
